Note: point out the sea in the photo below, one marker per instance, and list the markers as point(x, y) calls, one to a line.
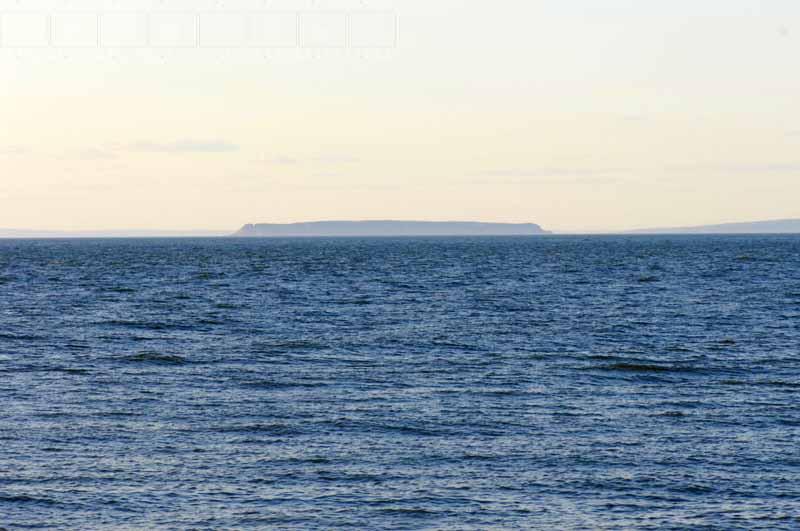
point(553, 382)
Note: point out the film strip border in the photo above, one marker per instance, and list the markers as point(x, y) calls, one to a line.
point(254, 29)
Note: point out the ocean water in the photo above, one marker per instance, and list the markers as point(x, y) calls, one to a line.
point(438, 383)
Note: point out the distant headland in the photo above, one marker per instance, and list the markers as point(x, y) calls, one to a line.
point(389, 228)
point(780, 226)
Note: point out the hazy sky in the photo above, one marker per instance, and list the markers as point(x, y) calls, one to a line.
point(575, 114)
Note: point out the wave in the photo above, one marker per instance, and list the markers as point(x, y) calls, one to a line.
point(145, 325)
point(156, 358)
point(20, 337)
point(410, 513)
point(267, 429)
point(212, 322)
point(762, 383)
point(285, 346)
point(77, 346)
point(22, 498)
point(409, 430)
point(272, 384)
point(119, 290)
point(354, 477)
point(648, 368)
point(71, 370)
point(39, 368)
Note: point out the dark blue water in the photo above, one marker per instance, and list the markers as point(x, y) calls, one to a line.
point(549, 383)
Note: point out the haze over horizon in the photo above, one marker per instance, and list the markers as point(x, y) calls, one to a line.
point(569, 115)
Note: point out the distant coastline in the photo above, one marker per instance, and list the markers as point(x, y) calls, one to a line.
point(389, 228)
point(781, 226)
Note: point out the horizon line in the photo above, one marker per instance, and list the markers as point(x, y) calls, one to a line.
point(12, 233)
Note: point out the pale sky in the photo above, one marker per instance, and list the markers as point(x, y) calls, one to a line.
point(574, 114)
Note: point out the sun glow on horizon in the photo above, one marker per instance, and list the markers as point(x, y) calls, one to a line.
point(565, 114)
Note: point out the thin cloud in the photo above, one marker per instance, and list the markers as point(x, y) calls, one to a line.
point(742, 168)
point(547, 176)
point(319, 160)
point(95, 154)
point(284, 161)
point(13, 150)
point(185, 146)
point(544, 180)
point(356, 187)
point(634, 118)
point(334, 160)
point(547, 173)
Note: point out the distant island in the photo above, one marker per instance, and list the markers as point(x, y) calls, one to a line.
point(781, 226)
point(390, 228)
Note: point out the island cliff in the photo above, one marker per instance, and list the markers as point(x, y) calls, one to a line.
point(390, 228)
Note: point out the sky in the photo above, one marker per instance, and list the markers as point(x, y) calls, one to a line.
point(579, 115)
